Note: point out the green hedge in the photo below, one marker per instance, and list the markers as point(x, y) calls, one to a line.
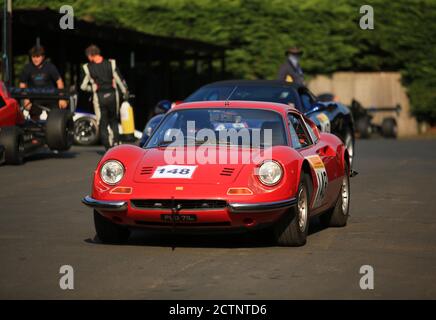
point(258, 31)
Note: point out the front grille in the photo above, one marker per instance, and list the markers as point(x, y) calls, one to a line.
point(227, 172)
point(183, 204)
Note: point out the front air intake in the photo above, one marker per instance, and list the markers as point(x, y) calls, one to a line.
point(165, 204)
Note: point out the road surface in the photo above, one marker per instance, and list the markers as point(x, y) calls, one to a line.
point(392, 228)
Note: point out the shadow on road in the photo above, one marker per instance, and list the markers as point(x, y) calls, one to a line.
point(43, 155)
point(254, 239)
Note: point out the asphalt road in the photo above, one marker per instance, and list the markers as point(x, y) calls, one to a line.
point(392, 227)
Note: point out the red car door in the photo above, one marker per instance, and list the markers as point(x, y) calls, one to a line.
point(322, 159)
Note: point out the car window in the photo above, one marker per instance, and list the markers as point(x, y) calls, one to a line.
point(271, 93)
point(299, 135)
point(211, 94)
point(278, 94)
point(243, 127)
point(306, 100)
point(311, 133)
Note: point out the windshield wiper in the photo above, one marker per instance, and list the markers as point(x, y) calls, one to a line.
point(164, 143)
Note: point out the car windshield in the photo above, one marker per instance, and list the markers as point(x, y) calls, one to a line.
point(279, 94)
point(213, 126)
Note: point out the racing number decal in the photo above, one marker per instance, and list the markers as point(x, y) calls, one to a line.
point(324, 122)
point(173, 171)
point(321, 177)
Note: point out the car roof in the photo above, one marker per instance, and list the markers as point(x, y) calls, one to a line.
point(264, 105)
point(260, 83)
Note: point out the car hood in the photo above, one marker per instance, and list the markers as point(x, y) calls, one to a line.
point(154, 166)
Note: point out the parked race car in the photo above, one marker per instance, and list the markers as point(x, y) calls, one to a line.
point(363, 118)
point(161, 108)
point(329, 116)
point(21, 136)
point(365, 124)
point(293, 172)
point(86, 131)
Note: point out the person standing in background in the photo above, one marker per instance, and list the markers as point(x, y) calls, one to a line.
point(102, 77)
point(291, 70)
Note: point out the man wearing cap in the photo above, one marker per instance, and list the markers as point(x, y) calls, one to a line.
point(290, 70)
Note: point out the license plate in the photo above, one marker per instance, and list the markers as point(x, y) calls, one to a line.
point(179, 217)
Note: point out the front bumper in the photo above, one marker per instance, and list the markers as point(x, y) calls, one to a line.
point(233, 207)
point(231, 216)
point(105, 205)
point(262, 206)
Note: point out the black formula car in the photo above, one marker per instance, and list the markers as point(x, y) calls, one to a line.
point(21, 136)
point(329, 116)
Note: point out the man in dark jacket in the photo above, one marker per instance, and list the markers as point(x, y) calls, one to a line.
point(290, 70)
point(40, 73)
point(102, 77)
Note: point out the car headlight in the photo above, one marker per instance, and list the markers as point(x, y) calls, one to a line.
point(112, 172)
point(270, 173)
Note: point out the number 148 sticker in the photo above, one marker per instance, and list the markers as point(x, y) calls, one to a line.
point(172, 171)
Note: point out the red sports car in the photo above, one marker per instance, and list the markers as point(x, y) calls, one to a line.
point(226, 166)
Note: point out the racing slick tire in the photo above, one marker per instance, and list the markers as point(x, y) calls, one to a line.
point(291, 230)
point(86, 131)
point(109, 232)
point(59, 130)
point(389, 128)
point(363, 126)
point(338, 215)
point(11, 138)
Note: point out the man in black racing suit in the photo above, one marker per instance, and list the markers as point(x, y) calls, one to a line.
point(102, 77)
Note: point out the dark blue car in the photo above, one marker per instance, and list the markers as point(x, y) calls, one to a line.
point(330, 116)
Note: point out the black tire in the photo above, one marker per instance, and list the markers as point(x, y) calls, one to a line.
point(389, 128)
point(287, 231)
point(11, 138)
point(348, 140)
point(363, 126)
point(59, 130)
point(86, 131)
point(108, 231)
point(338, 215)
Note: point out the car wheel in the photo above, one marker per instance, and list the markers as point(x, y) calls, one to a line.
point(11, 138)
point(389, 128)
point(85, 131)
point(363, 126)
point(338, 215)
point(349, 144)
point(108, 231)
point(291, 229)
point(59, 130)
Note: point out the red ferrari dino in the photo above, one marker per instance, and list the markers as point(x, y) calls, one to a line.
point(226, 166)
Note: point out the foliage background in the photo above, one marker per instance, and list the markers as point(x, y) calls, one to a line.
point(258, 31)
